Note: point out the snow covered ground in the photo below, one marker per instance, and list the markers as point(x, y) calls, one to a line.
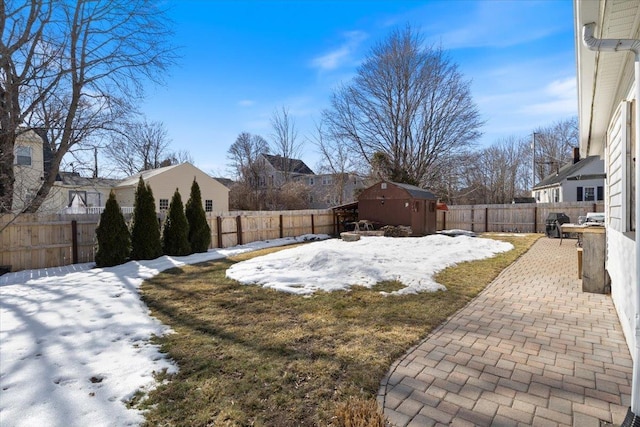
point(334, 264)
point(74, 341)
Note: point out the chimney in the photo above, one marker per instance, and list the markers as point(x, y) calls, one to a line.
point(576, 155)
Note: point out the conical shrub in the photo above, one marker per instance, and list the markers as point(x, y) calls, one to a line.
point(145, 234)
point(199, 230)
point(175, 235)
point(112, 234)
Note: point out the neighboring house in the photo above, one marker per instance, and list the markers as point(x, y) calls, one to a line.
point(325, 190)
point(164, 181)
point(277, 170)
point(92, 193)
point(392, 203)
point(31, 159)
point(582, 180)
point(608, 49)
point(328, 190)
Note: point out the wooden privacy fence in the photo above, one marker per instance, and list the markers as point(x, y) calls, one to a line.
point(523, 218)
point(43, 241)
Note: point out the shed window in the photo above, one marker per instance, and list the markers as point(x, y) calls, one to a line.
point(164, 204)
point(208, 205)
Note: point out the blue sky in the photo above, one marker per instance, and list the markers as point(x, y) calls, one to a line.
point(241, 60)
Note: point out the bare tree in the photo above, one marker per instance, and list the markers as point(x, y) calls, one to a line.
point(409, 103)
point(73, 68)
point(142, 146)
point(554, 146)
point(496, 174)
point(337, 159)
point(285, 141)
point(248, 167)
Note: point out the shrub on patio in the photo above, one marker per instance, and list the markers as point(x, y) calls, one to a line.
point(175, 240)
point(199, 231)
point(112, 234)
point(145, 234)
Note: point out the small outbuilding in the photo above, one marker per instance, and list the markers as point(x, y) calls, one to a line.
point(392, 203)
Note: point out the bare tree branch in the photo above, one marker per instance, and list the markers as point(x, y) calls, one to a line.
point(407, 103)
point(74, 69)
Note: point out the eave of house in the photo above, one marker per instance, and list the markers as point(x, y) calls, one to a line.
point(603, 77)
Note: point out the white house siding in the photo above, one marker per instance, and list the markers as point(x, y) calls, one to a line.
point(621, 265)
point(620, 261)
point(616, 142)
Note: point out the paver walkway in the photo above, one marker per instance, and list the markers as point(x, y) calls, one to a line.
point(531, 349)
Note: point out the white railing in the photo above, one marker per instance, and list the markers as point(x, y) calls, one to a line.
point(99, 209)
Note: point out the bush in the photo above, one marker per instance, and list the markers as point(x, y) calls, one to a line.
point(112, 234)
point(199, 230)
point(145, 234)
point(396, 231)
point(175, 235)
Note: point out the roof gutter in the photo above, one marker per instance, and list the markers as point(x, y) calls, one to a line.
point(627, 45)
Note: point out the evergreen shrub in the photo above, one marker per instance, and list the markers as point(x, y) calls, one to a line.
point(175, 235)
point(112, 234)
point(145, 233)
point(199, 230)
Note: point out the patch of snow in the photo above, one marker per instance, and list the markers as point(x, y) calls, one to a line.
point(333, 265)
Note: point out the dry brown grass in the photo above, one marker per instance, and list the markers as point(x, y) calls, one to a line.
point(255, 356)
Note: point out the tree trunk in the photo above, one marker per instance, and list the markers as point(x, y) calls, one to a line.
point(7, 178)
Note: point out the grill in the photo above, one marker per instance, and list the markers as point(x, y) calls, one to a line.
point(553, 223)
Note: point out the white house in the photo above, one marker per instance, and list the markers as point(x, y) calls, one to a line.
point(581, 180)
point(608, 67)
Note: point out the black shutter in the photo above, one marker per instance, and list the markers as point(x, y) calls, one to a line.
point(579, 194)
point(600, 193)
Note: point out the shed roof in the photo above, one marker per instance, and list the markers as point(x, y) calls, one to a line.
point(416, 192)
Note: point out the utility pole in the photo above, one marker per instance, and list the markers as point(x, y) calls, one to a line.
point(533, 166)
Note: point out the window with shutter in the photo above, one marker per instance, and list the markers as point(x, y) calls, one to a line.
point(579, 197)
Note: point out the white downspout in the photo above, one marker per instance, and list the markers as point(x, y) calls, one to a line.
point(626, 45)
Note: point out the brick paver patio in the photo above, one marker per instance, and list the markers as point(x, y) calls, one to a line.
point(531, 349)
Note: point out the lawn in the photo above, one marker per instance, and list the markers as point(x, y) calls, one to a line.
point(254, 356)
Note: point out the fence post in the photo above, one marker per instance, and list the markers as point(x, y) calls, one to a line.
point(281, 227)
point(535, 219)
point(444, 220)
point(74, 241)
point(313, 225)
point(239, 229)
point(472, 217)
point(219, 230)
point(486, 219)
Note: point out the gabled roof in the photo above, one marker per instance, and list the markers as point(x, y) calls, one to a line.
point(74, 179)
point(225, 181)
point(132, 181)
point(293, 165)
point(566, 172)
point(416, 192)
